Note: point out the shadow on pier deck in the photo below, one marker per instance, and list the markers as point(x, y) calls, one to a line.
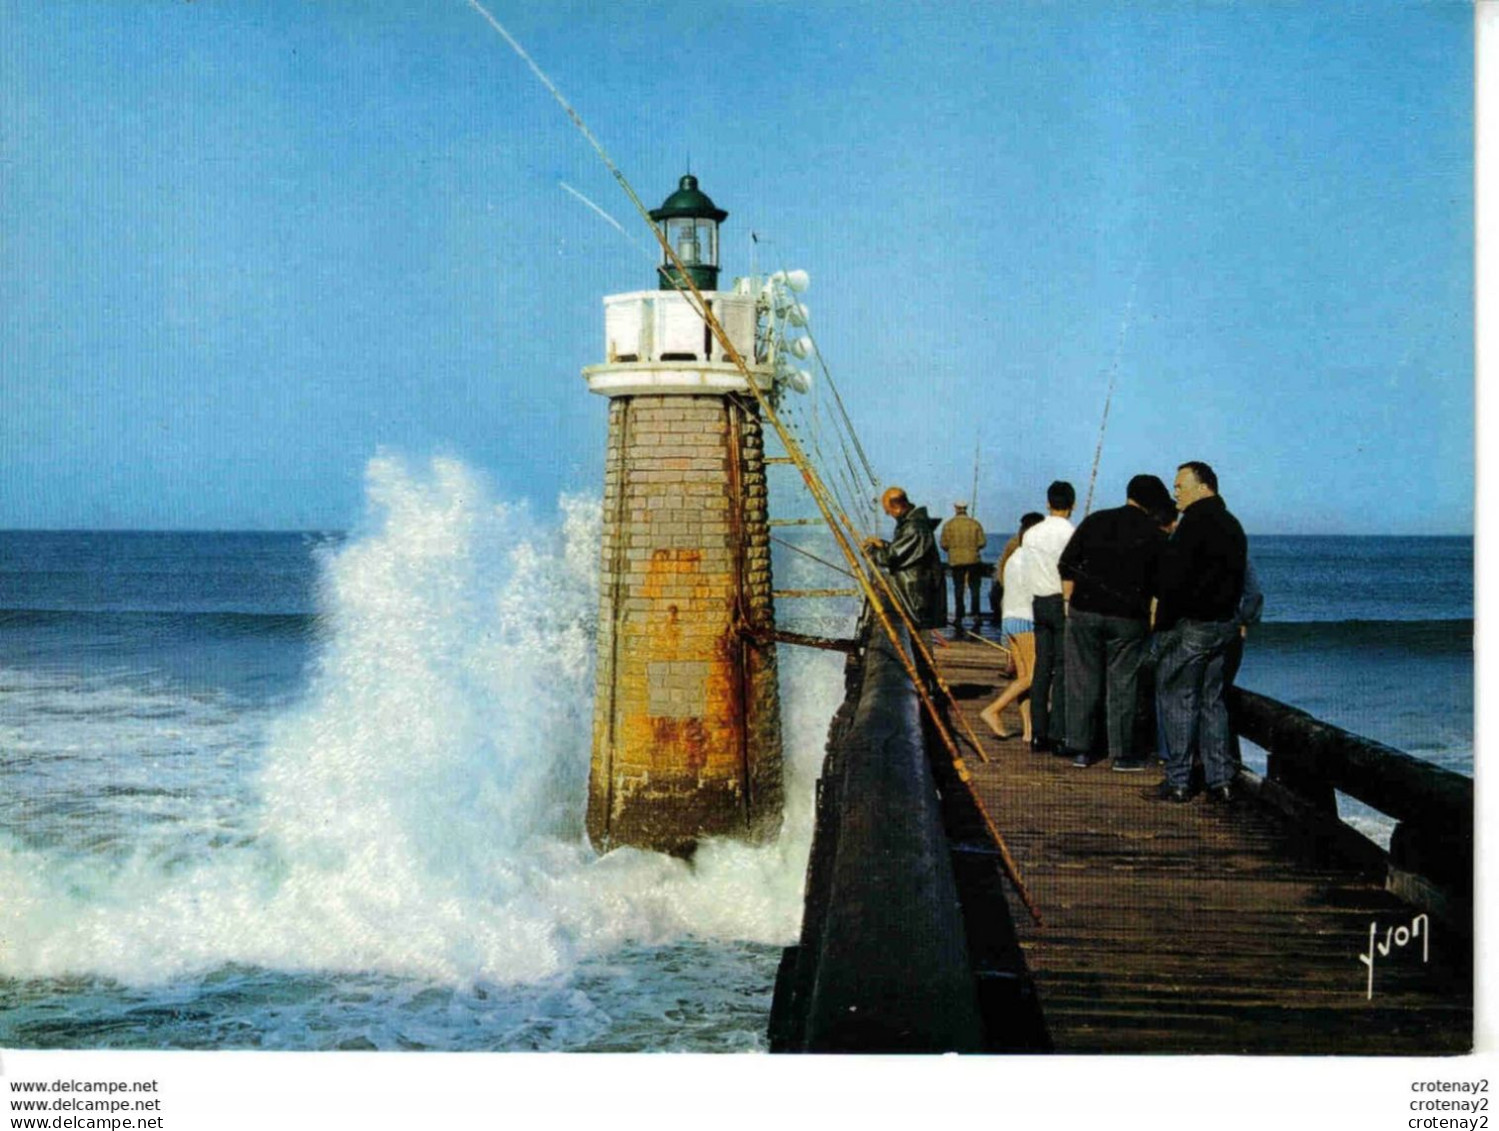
point(1167, 928)
point(1210, 929)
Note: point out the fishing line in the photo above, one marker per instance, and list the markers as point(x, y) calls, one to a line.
point(871, 580)
point(808, 554)
point(973, 500)
point(1124, 324)
point(574, 117)
point(848, 424)
point(567, 188)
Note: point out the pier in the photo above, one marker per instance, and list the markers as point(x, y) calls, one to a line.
point(1263, 927)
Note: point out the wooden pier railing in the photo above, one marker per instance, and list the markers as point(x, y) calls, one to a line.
point(1430, 858)
point(1187, 928)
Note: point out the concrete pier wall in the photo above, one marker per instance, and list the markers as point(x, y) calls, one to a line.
point(882, 965)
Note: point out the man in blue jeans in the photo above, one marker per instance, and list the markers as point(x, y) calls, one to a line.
point(1200, 583)
point(1251, 609)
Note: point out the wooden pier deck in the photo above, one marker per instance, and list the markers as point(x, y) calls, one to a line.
point(1195, 928)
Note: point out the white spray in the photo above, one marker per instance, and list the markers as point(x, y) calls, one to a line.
point(419, 812)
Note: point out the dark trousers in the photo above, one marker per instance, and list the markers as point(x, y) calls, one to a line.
point(1103, 681)
point(1232, 659)
point(1048, 685)
point(966, 577)
point(1190, 686)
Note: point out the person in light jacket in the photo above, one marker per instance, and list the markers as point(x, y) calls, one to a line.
point(963, 538)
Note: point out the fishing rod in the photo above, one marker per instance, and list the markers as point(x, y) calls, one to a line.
point(992, 644)
point(973, 499)
point(1124, 324)
point(816, 487)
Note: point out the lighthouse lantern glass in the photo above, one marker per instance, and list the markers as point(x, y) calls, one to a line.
point(694, 239)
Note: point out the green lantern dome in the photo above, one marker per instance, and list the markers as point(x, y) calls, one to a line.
point(691, 220)
point(688, 200)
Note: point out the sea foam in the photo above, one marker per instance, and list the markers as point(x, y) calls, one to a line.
point(418, 810)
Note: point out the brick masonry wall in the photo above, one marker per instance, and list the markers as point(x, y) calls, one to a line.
point(687, 716)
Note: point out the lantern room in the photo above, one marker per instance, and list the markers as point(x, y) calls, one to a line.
point(690, 222)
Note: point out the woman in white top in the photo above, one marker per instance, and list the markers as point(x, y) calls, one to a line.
point(1019, 578)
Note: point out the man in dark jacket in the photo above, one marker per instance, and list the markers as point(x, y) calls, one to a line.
point(1201, 582)
point(1108, 574)
point(912, 560)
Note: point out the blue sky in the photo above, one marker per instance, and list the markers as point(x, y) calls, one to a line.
point(245, 247)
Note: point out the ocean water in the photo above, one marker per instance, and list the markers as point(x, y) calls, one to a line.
point(305, 791)
point(1374, 635)
point(315, 792)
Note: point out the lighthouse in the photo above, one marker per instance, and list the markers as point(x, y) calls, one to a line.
point(687, 726)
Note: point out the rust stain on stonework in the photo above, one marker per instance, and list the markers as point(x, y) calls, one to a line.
point(686, 737)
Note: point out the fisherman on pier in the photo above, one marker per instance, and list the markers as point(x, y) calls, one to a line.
point(1200, 585)
point(1108, 575)
point(963, 538)
point(1048, 688)
point(1019, 632)
point(912, 560)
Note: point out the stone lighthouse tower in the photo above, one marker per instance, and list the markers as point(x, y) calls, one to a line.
point(687, 727)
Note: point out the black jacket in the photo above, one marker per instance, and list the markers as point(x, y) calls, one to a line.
point(915, 567)
point(1202, 570)
point(1112, 560)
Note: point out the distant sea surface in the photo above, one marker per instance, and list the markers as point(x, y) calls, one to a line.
point(307, 791)
point(1372, 634)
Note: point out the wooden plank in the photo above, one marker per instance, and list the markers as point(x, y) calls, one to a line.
point(1193, 928)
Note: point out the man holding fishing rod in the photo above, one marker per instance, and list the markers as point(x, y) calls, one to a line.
point(912, 560)
point(963, 538)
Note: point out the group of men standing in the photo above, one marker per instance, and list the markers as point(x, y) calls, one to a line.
point(1163, 577)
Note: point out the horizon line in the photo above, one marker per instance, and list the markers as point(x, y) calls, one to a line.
point(326, 530)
